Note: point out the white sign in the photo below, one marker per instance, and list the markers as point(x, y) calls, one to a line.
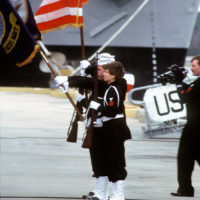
point(163, 103)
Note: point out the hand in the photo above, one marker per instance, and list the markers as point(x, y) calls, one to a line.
point(61, 80)
point(80, 97)
point(64, 89)
point(94, 105)
point(83, 65)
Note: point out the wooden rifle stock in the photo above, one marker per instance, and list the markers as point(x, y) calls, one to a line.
point(73, 128)
point(87, 143)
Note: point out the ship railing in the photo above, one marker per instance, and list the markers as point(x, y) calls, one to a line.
point(155, 128)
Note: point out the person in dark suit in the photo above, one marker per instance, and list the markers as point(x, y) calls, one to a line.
point(189, 147)
point(110, 128)
point(85, 82)
point(109, 141)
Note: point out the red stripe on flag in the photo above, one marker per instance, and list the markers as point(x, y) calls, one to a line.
point(57, 20)
point(56, 23)
point(58, 5)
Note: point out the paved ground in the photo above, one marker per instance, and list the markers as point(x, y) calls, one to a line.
point(36, 161)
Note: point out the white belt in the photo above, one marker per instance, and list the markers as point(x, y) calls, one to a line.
point(104, 119)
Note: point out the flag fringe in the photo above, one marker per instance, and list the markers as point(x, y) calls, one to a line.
point(85, 2)
point(30, 58)
point(62, 27)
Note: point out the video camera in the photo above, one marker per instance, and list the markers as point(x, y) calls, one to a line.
point(175, 75)
point(92, 69)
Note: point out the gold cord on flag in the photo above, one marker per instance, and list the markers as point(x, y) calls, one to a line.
point(29, 59)
point(85, 1)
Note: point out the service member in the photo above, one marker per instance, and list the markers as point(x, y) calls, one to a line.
point(189, 147)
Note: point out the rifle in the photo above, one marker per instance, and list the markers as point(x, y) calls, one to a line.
point(73, 127)
point(87, 143)
point(77, 115)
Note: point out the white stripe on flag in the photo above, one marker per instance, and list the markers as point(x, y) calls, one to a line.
point(45, 2)
point(58, 13)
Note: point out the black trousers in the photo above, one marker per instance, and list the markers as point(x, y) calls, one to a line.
point(108, 153)
point(188, 153)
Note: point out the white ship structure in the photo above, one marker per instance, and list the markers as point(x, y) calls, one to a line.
point(158, 36)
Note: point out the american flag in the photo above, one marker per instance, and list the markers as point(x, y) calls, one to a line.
point(58, 14)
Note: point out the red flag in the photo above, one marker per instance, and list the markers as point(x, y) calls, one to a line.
point(58, 14)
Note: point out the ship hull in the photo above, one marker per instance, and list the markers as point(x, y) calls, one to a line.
point(156, 37)
point(138, 61)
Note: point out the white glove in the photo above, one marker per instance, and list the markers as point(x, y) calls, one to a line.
point(80, 97)
point(94, 105)
point(98, 123)
point(66, 87)
point(61, 79)
point(83, 65)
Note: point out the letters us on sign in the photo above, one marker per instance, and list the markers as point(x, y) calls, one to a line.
point(163, 104)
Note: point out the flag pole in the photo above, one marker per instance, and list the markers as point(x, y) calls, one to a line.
point(82, 43)
point(82, 52)
point(73, 127)
point(55, 74)
point(115, 34)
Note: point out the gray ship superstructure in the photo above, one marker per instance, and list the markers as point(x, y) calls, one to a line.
point(158, 36)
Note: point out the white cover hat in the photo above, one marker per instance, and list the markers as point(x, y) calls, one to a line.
point(105, 58)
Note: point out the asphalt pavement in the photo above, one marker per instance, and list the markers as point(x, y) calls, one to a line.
point(37, 163)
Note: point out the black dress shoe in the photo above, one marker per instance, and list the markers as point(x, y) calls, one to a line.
point(88, 196)
point(178, 194)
